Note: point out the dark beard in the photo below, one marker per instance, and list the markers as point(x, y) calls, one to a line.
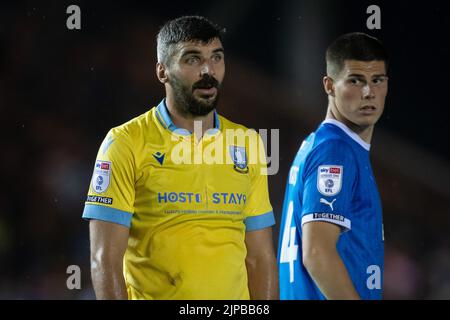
point(185, 102)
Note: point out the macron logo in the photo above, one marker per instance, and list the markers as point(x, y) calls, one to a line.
point(159, 157)
point(322, 200)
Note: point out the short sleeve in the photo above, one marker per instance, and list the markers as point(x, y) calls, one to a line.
point(111, 191)
point(329, 179)
point(258, 210)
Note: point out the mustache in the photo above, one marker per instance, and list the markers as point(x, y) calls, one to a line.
point(206, 82)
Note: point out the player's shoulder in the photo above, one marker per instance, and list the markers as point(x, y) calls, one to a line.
point(329, 152)
point(330, 144)
point(237, 129)
point(332, 147)
point(328, 132)
point(136, 127)
point(228, 124)
point(332, 130)
point(331, 137)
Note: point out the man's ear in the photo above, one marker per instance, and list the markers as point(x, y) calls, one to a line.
point(161, 72)
point(328, 85)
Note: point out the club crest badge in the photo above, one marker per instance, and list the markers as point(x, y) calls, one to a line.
point(239, 157)
point(329, 179)
point(101, 176)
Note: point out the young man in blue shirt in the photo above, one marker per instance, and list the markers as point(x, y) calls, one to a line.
point(331, 242)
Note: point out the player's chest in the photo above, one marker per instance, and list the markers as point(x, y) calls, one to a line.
point(195, 178)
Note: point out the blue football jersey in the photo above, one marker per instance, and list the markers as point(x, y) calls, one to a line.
point(331, 180)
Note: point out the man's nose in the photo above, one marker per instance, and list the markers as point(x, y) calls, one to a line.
point(368, 92)
point(206, 68)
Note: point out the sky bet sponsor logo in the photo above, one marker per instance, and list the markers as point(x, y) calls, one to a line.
point(102, 165)
point(191, 197)
point(98, 199)
point(329, 179)
point(101, 176)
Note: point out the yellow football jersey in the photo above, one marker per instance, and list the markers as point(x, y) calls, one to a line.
point(187, 202)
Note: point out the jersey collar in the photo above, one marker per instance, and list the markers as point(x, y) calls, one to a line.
point(349, 132)
point(162, 113)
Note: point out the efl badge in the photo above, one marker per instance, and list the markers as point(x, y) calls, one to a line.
point(102, 173)
point(329, 179)
point(239, 159)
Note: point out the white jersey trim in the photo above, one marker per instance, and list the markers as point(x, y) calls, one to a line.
point(328, 217)
point(349, 132)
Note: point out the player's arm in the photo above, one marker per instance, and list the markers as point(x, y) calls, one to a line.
point(108, 244)
point(322, 260)
point(261, 265)
point(109, 208)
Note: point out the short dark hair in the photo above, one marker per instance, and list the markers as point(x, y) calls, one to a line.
point(185, 29)
point(354, 46)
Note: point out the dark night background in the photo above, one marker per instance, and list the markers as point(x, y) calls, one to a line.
point(61, 91)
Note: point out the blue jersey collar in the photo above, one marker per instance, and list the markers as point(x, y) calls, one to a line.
point(163, 116)
point(349, 132)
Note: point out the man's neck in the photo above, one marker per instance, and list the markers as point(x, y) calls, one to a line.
point(364, 132)
point(189, 123)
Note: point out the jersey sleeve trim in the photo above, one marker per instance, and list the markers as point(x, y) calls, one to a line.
point(259, 222)
point(98, 212)
point(328, 217)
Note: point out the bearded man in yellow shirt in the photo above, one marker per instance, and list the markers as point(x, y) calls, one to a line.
point(178, 212)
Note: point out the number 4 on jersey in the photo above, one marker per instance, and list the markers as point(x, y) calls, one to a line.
point(289, 250)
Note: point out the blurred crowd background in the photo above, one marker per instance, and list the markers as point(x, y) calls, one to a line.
point(61, 91)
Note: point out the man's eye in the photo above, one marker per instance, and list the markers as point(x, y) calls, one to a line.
point(192, 60)
point(355, 81)
point(378, 80)
point(217, 58)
